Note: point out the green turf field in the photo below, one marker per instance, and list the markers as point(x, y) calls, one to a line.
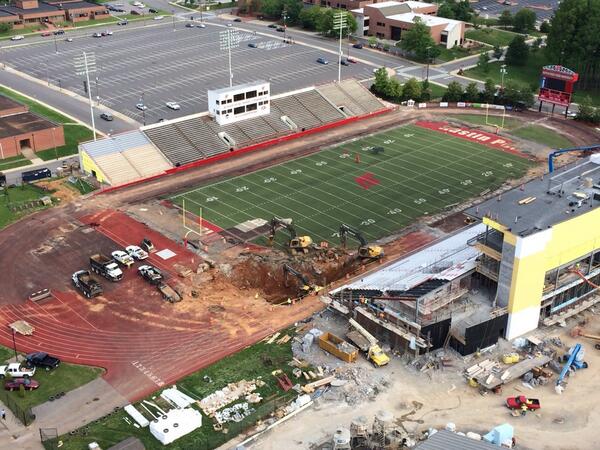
point(420, 172)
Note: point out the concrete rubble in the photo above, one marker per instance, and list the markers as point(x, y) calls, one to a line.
point(230, 393)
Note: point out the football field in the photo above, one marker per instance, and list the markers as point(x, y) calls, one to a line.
point(378, 184)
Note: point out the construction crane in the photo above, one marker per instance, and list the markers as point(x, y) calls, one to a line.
point(296, 243)
point(587, 150)
point(365, 250)
point(305, 287)
point(368, 344)
point(574, 362)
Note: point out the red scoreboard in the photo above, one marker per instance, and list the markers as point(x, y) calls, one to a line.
point(556, 85)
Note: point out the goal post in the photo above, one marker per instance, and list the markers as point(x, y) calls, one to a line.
point(191, 225)
point(487, 116)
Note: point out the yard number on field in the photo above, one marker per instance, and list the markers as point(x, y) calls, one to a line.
point(487, 173)
point(394, 211)
point(408, 135)
point(443, 191)
point(466, 182)
point(389, 141)
point(295, 171)
point(420, 201)
point(212, 199)
point(321, 163)
point(270, 180)
point(242, 189)
point(507, 165)
point(368, 222)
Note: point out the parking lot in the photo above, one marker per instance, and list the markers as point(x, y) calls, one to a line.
point(543, 9)
point(169, 62)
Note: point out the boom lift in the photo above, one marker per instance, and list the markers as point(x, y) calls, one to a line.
point(368, 344)
point(586, 151)
point(305, 287)
point(574, 361)
point(365, 250)
point(296, 243)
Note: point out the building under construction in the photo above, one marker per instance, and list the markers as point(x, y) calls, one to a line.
point(532, 259)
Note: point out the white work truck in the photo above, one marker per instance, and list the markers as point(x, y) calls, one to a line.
point(16, 370)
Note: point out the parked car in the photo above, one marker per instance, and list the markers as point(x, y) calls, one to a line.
point(69, 40)
point(344, 62)
point(201, 25)
point(16, 370)
point(43, 360)
point(18, 37)
point(351, 60)
point(97, 35)
point(150, 274)
point(122, 22)
point(523, 403)
point(136, 13)
point(122, 257)
point(281, 29)
point(273, 25)
point(190, 25)
point(107, 33)
point(358, 45)
point(141, 106)
point(136, 252)
point(106, 116)
point(147, 245)
point(159, 17)
point(253, 45)
point(153, 11)
point(173, 105)
point(59, 32)
point(46, 34)
point(237, 19)
point(16, 383)
point(322, 61)
point(229, 25)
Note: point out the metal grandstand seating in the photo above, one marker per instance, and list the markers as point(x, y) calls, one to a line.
point(173, 144)
point(341, 99)
point(201, 136)
point(146, 160)
point(361, 95)
point(291, 107)
point(319, 106)
point(258, 129)
point(117, 168)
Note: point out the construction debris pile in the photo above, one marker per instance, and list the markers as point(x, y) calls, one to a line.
point(229, 394)
point(235, 413)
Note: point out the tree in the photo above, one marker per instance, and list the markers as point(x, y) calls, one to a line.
point(463, 11)
point(489, 91)
point(425, 91)
point(381, 84)
point(309, 17)
point(518, 52)
point(293, 8)
point(372, 41)
point(271, 8)
point(483, 62)
point(586, 110)
point(5, 27)
point(325, 25)
point(498, 52)
point(445, 10)
point(506, 19)
point(471, 92)
point(411, 90)
point(536, 44)
point(524, 20)
point(418, 40)
point(394, 89)
point(454, 92)
point(545, 27)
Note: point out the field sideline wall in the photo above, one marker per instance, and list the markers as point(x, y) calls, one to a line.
point(535, 255)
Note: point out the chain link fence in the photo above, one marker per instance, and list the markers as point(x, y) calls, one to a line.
point(49, 438)
point(25, 415)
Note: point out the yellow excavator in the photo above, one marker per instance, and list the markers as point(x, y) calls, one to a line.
point(304, 286)
point(365, 251)
point(296, 244)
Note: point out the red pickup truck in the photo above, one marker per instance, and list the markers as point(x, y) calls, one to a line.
point(523, 403)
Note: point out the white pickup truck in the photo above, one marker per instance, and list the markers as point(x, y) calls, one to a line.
point(16, 370)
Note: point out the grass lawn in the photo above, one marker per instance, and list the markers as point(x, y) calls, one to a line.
point(35, 107)
point(543, 135)
point(528, 75)
point(437, 91)
point(449, 54)
point(420, 172)
point(64, 378)
point(13, 161)
point(491, 36)
point(6, 353)
point(24, 30)
point(81, 186)
point(253, 362)
point(18, 195)
point(74, 134)
point(477, 119)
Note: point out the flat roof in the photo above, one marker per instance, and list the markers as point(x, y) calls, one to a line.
point(384, 4)
point(446, 440)
point(81, 5)
point(23, 123)
point(566, 193)
point(428, 20)
point(7, 13)
point(42, 8)
point(447, 259)
point(237, 87)
point(9, 103)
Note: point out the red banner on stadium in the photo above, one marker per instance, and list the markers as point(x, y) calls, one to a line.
point(481, 137)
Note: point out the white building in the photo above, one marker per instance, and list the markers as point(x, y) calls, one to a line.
point(244, 101)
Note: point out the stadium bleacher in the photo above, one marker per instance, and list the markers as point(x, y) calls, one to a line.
point(351, 97)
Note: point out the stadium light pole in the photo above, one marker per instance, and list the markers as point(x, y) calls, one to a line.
point(229, 39)
point(427, 75)
point(284, 16)
point(339, 23)
point(85, 64)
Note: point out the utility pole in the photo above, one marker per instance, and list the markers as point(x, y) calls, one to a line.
point(427, 76)
point(85, 64)
point(502, 73)
point(173, 15)
point(55, 44)
point(229, 39)
point(143, 102)
point(14, 344)
point(54, 144)
point(284, 16)
point(339, 23)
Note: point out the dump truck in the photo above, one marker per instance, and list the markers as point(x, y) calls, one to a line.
point(87, 284)
point(338, 347)
point(105, 266)
point(367, 343)
point(168, 293)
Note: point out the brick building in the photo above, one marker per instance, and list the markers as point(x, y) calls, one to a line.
point(29, 12)
point(388, 20)
point(21, 130)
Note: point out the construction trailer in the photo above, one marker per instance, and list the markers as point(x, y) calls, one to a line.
point(533, 257)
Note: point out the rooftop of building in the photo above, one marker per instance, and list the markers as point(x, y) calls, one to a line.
point(80, 5)
point(568, 192)
point(446, 440)
point(23, 123)
point(8, 103)
point(238, 87)
point(428, 20)
point(6, 13)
